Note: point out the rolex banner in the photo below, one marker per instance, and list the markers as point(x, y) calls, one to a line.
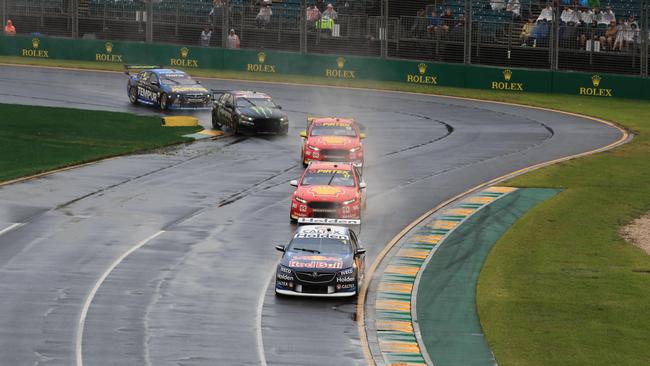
point(422, 75)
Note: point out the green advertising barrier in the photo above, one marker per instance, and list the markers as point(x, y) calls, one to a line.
point(334, 67)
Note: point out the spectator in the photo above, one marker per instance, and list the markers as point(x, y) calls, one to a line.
point(434, 22)
point(217, 5)
point(541, 33)
point(546, 13)
point(497, 4)
point(313, 14)
point(569, 16)
point(206, 34)
point(623, 35)
point(606, 17)
point(330, 13)
point(610, 36)
point(457, 32)
point(263, 18)
point(320, 4)
point(419, 27)
point(586, 17)
point(569, 20)
point(233, 40)
point(448, 20)
point(10, 30)
point(514, 7)
point(527, 32)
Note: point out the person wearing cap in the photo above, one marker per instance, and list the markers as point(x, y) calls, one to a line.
point(233, 39)
point(313, 14)
point(330, 13)
point(10, 30)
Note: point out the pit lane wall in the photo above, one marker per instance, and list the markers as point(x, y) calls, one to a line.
point(335, 67)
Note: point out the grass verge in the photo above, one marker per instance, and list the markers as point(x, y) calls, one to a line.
point(38, 139)
point(561, 287)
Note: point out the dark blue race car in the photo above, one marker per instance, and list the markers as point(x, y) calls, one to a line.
point(166, 88)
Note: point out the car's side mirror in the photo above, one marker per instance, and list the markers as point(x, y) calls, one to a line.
point(280, 248)
point(303, 134)
point(198, 82)
point(362, 136)
point(362, 185)
point(361, 251)
point(293, 183)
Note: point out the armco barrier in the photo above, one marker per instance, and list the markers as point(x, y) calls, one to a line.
point(350, 68)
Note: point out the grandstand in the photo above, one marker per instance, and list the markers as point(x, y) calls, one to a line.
point(475, 33)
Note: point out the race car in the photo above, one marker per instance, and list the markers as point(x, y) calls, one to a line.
point(165, 88)
point(248, 111)
point(332, 139)
point(321, 260)
point(328, 190)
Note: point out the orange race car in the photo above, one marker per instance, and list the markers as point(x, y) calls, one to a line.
point(328, 190)
point(332, 139)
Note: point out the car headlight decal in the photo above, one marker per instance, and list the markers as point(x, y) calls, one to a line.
point(300, 200)
point(313, 147)
point(348, 202)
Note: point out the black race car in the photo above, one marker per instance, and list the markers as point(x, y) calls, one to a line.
point(321, 260)
point(248, 111)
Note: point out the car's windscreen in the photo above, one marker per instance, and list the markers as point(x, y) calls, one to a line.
point(333, 130)
point(255, 102)
point(177, 79)
point(321, 246)
point(328, 177)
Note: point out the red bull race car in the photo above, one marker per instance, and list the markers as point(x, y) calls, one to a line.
point(328, 190)
point(321, 260)
point(332, 139)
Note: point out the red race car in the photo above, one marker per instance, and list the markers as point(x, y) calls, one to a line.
point(332, 139)
point(328, 190)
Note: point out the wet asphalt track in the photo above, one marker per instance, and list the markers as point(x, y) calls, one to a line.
point(194, 294)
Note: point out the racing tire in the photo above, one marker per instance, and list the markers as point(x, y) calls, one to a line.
point(133, 95)
point(302, 158)
point(164, 100)
point(235, 127)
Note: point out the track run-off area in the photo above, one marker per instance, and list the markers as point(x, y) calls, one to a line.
point(167, 257)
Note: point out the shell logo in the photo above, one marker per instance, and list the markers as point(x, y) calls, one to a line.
point(325, 191)
point(334, 140)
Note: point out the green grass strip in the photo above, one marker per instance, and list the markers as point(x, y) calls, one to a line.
point(39, 139)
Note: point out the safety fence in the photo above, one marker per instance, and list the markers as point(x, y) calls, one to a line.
point(351, 68)
point(510, 33)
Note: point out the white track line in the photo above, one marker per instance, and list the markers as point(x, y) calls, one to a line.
point(260, 307)
point(9, 228)
point(91, 296)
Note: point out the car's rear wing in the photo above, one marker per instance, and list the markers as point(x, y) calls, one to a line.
point(311, 119)
point(326, 221)
point(131, 69)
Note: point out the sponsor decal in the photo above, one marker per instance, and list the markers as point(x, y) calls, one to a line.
point(184, 60)
point(35, 51)
point(595, 89)
point(347, 272)
point(507, 84)
point(334, 140)
point(335, 124)
point(108, 56)
point(325, 191)
point(422, 77)
point(285, 277)
point(345, 286)
point(340, 72)
point(316, 261)
point(261, 65)
point(189, 89)
point(345, 279)
point(322, 236)
point(148, 94)
point(284, 283)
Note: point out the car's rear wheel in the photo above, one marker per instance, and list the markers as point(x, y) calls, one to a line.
point(133, 95)
point(284, 131)
point(164, 101)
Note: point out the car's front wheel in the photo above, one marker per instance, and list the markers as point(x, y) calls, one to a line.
point(164, 102)
point(215, 122)
point(133, 95)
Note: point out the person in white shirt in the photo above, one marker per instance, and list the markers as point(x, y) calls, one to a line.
point(233, 40)
point(546, 14)
point(586, 16)
point(514, 7)
point(497, 4)
point(330, 13)
point(606, 17)
point(569, 16)
point(264, 16)
point(206, 34)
